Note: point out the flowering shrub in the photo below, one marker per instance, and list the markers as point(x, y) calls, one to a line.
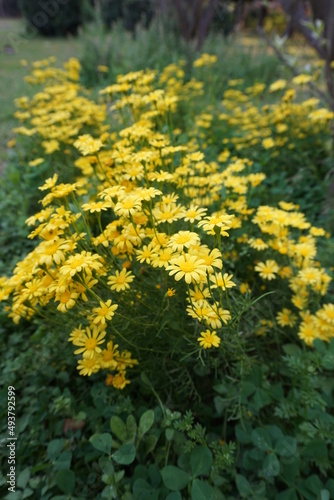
point(160, 255)
point(155, 247)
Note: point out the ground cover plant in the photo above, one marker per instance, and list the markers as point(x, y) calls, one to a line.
point(178, 320)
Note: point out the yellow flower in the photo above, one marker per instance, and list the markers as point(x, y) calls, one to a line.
point(96, 206)
point(257, 243)
point(87, 145)
point(119, 381)
point(107, 356)
point(244, 288)
point(120, 281)
point(189, 267)
point(52, 251)
point(167, 212)
point(66, 300)
point(87, 366)
point(193, 213)
point(124, 361)
point(302, 79)
point(49, 183)
point(161, 176)
point(267, 270)
point(278, 85)
point(145, 255)
point(209, 339)
point(327, 313)
point(103, 313)
point(162, 257)
point(34, 163)
point(183, 239)
point(308, 332)
point(268, 143)
point(205, 60)
point(102, 68)
point(76, 334)
point(128, 206)
point(50, 146)
point(220, 220)
point(212, 258)
point(79, 262)
point(286, 318)
point(89, 342)
point(222, 281)
point(199, 293)
point(170, 292)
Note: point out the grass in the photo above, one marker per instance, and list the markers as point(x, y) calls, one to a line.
point(15, 46)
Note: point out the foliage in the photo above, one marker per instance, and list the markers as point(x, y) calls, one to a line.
point(161, 44)
point(196, 303)
point(130, 12)
point(53, 18)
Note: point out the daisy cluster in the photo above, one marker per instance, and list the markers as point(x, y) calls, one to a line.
point(148, 217)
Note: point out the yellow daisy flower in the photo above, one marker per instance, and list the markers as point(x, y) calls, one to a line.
point(209, 339)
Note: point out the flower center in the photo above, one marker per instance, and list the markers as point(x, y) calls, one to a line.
point(187, 267)
point(91, 344)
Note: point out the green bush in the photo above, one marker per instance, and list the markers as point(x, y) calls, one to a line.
point(53, 17)
point(131, 12)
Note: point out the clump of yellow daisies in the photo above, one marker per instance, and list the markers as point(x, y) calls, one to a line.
point(146, 214)
point(54, 117)
point(275, 128)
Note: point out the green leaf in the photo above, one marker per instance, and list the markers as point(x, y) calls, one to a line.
point(54, 449)
point(64, 461)
point(169, 433)
point(150, 443)
point(247, 390)
point(243, 436)
point(248, 461)
point(286, 448)
point(174, 495)
point(331, 346)
point(200, 461)
point(260, 399)
point(101, 442)
point(289, 494)
point(174, 478)
point(292, 350)
point(145, 423)
point(27, 493)
point(320, 346)
point(23, 478)
point(220, 404)
point(325, 495)
point(118, 428)
point(118, 476)
point(65, 480)
point(106, 466)
point(316, 449)
point(131, 427)
point(143, 490)
point(125, 455)
point(310, 487)
point(271, 466)
point(275, 433)
point(201, 490)
point(330, 486)
point(290, 468)
point(243, 485)
point(261, 439)
point(154, 474)
point(145, 379)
